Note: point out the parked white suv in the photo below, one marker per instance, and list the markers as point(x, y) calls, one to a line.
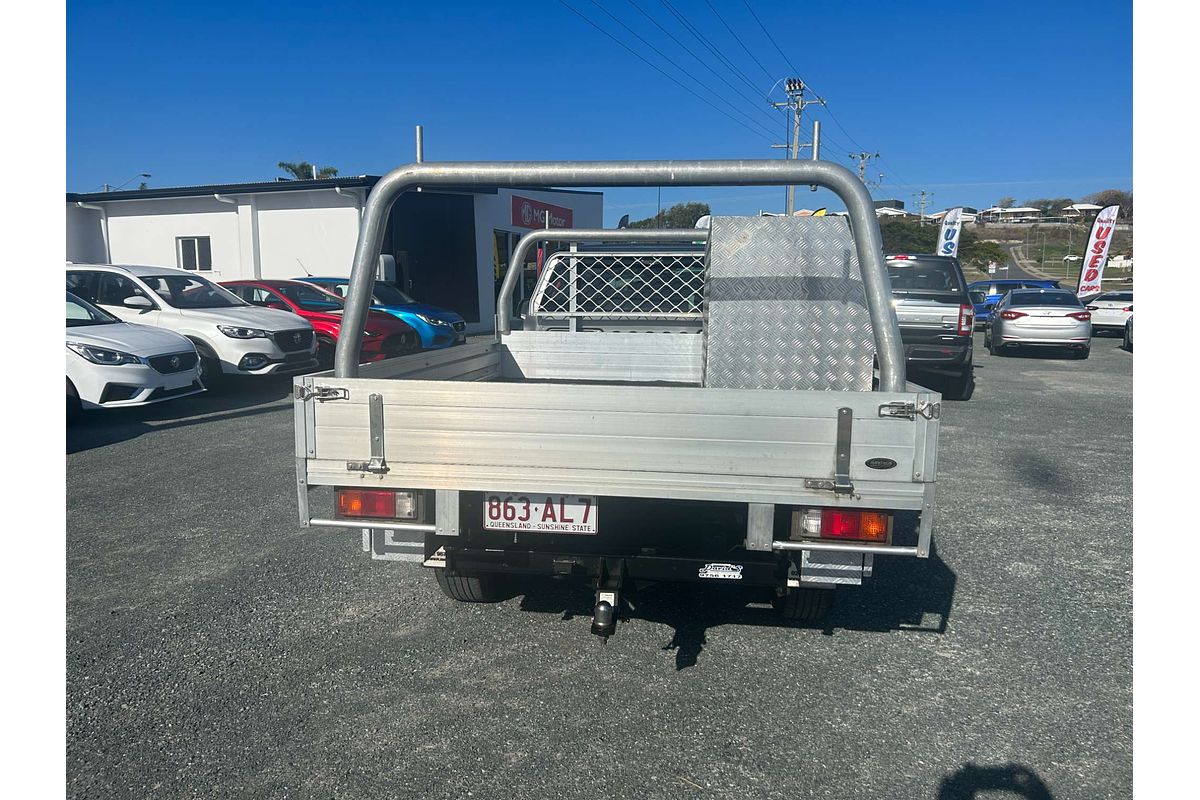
point(232, 336)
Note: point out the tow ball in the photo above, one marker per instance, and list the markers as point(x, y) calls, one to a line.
point(604, 617)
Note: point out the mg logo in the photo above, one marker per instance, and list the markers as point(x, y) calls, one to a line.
point(176, 362)
point(296, 338)
point(527, 214)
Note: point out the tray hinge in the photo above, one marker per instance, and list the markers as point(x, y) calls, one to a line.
point(841, 471)
point(903, 410)
point(377, 464)
point(322, 393)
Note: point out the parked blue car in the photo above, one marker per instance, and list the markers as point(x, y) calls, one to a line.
point(985, 294)
point(437, 327)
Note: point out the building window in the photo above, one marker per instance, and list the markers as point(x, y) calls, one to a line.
point(194, 252)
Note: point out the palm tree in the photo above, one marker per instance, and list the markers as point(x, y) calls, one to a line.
point(303, 171)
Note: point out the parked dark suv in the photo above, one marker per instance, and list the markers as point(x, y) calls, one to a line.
point(936, 318)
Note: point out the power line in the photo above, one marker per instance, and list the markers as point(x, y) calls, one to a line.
point(795, 71)
point(739, 39)
point(700, 38)
point(704, 63)
point(670, 61)
point(658, 69)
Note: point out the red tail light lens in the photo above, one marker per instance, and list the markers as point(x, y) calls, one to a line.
point(370, 503)
point(1082, 316)
point(1128, 308)
point(1012, 314)
point(966, 319)
point(863, 526)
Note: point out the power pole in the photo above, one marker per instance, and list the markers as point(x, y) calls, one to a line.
point(795, 92)
point(863, 158)
point(921, 202)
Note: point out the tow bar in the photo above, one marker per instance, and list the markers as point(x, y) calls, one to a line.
point(608, 601)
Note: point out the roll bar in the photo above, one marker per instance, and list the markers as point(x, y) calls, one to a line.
point(495, 174)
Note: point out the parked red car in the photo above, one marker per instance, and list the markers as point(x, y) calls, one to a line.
point(384, 336)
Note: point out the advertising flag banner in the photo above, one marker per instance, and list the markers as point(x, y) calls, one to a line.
point(947, 243)
point(1096, 254)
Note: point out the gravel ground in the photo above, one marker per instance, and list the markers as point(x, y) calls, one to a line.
point(216, 649)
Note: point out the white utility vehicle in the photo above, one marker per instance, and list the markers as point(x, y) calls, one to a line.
point(232, 336)
point(114, 364)
point(687, 405)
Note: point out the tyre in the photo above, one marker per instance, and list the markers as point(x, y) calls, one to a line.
point(993, 349)
point(1082, 353)
point(805, 603)
point(1126, 344)
point(210, 371)
point(960, 387)
point(74, 406)
point(472, 588)
point(325, 351)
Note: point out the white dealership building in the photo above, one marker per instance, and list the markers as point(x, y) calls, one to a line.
point(449, 245)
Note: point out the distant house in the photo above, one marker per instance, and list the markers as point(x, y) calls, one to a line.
point(897, 205)
point(1018, 215)
point(968, 214)
point(1081, 211)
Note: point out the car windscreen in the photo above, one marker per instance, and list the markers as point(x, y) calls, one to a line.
point(81, 313)
point(1027, 298)
point(308, 298)
point(1116, 297)
point(388, 295)
point(186, 291)
point(917, 276)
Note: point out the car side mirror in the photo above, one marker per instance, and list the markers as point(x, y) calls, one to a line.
point(138, 302)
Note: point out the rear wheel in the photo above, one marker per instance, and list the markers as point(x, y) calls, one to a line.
point(804, 603)
point(961, 387)
point(1126, 342)
point(471, 588)
point(1082, 353)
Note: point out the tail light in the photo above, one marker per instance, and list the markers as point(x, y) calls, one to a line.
point(1128, 308)
point(966, 319)
point(375, 503)
point(1012, 314)
point(837, 523)
point(1082, 316)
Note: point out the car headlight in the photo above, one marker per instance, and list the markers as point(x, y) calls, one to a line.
point(238, 332)
point(430, 320)
point(102, 355)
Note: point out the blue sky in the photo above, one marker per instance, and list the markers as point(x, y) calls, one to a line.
point(973, 102)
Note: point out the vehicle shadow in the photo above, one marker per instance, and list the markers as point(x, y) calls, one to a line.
point(1038, 473)
point(970, 781)
point(905, 594)
point(230, 398)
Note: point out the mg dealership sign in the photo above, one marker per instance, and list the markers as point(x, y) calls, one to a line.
point(1096, 253)
point(527, 213)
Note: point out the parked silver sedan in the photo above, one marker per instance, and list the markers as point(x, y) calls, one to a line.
point(1041, 318)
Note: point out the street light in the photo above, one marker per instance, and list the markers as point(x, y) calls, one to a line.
point(126, 183)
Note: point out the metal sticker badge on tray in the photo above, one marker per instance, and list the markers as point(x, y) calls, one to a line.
point(540, 513)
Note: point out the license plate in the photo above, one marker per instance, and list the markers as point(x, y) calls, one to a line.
point(539, 513)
